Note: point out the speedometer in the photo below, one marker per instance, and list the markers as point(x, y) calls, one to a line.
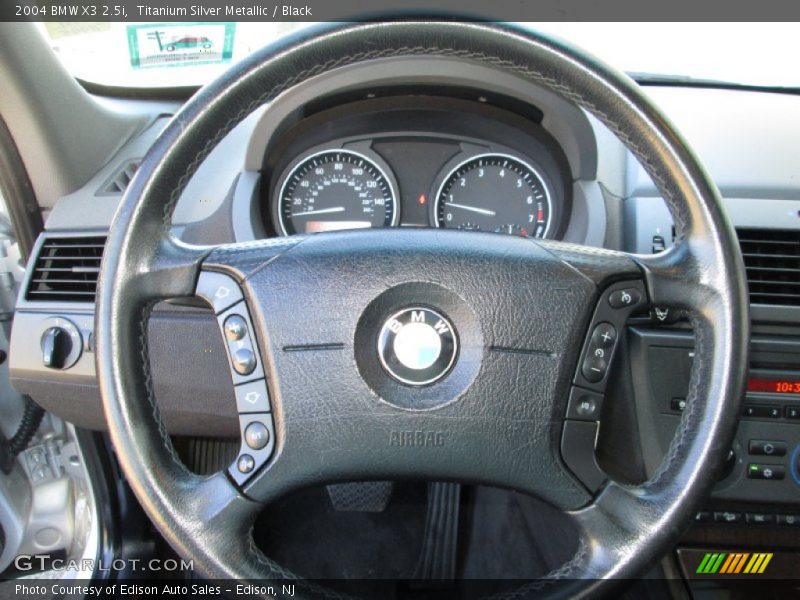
point(336, 189)
point(495, 193)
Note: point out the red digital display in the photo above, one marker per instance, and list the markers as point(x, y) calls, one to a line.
point(773, 386)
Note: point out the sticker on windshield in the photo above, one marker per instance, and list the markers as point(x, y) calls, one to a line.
point(180, 44)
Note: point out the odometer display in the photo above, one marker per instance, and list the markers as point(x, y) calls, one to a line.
point(494, 193)
point(336, 189)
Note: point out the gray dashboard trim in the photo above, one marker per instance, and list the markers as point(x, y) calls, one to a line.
point(647, 216)
point(198, 402)
point(248, 223)
point(204, 194)
point(242, 151)
point(747, 140)
point(85, 209)
point(62, 137)
point(565, 122)
point(588, 222)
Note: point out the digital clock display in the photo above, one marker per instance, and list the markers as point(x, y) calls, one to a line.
point(773, 386)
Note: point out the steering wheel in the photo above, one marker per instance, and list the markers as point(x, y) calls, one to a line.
point(516, 318)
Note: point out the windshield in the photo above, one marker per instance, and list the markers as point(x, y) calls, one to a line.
point(191, 54)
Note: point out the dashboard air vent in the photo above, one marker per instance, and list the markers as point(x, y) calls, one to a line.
point(117, 185)
point(772, 260)
point(66, 269)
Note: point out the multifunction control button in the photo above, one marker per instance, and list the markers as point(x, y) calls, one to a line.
point(256, 435)
point(252, 397)
point(601, 345)
point(220, 291)
point(702, 517)
point(594, 368)
point(604, 336)
point(760, 518)
point(727, 516)
point(624, 298)
point(766, 448)
point(584, 405)
point(587, 407)
point(769, 472)
point(677, 404)
point(235, 328)
point(244, 361)
point(245, 464)
point(757, 411)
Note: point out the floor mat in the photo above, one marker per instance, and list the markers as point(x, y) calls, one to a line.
point(305, 534)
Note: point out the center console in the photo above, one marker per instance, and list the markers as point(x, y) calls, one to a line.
point(763, 461)
point(752, 519)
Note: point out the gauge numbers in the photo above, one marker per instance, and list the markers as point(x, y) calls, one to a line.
point(494, 193)
point(333, 190)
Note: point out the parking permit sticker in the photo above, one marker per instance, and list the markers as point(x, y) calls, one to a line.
point(180, 44)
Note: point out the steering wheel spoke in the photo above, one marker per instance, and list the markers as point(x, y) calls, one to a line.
point(167, 270)
point(680, 277)
point(175, 268)
point(214, 506)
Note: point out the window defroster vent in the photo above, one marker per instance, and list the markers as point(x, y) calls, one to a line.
point(117, 185)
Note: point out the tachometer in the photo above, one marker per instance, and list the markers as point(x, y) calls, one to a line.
point(495, 193)
point(336, 189)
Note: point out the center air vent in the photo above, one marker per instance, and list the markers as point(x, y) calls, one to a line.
point(66, 269)
point(772, 260)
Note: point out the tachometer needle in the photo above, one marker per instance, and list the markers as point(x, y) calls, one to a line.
point(320, 211)
point(482, 211)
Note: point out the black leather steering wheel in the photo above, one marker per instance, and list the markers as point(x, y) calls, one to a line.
point(523, 310)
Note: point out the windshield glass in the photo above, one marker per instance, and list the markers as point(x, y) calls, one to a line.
point(191, 54)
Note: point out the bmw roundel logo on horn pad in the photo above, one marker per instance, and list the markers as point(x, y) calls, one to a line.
point(417, 346)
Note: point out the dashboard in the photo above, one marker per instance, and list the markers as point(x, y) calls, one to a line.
point(443, 144)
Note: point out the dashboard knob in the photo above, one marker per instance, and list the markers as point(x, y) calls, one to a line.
point(56, 347)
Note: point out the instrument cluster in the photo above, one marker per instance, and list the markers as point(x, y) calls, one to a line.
point(401, 177)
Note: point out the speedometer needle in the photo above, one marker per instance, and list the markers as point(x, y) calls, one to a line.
point(482, 211)
point(319, 211)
